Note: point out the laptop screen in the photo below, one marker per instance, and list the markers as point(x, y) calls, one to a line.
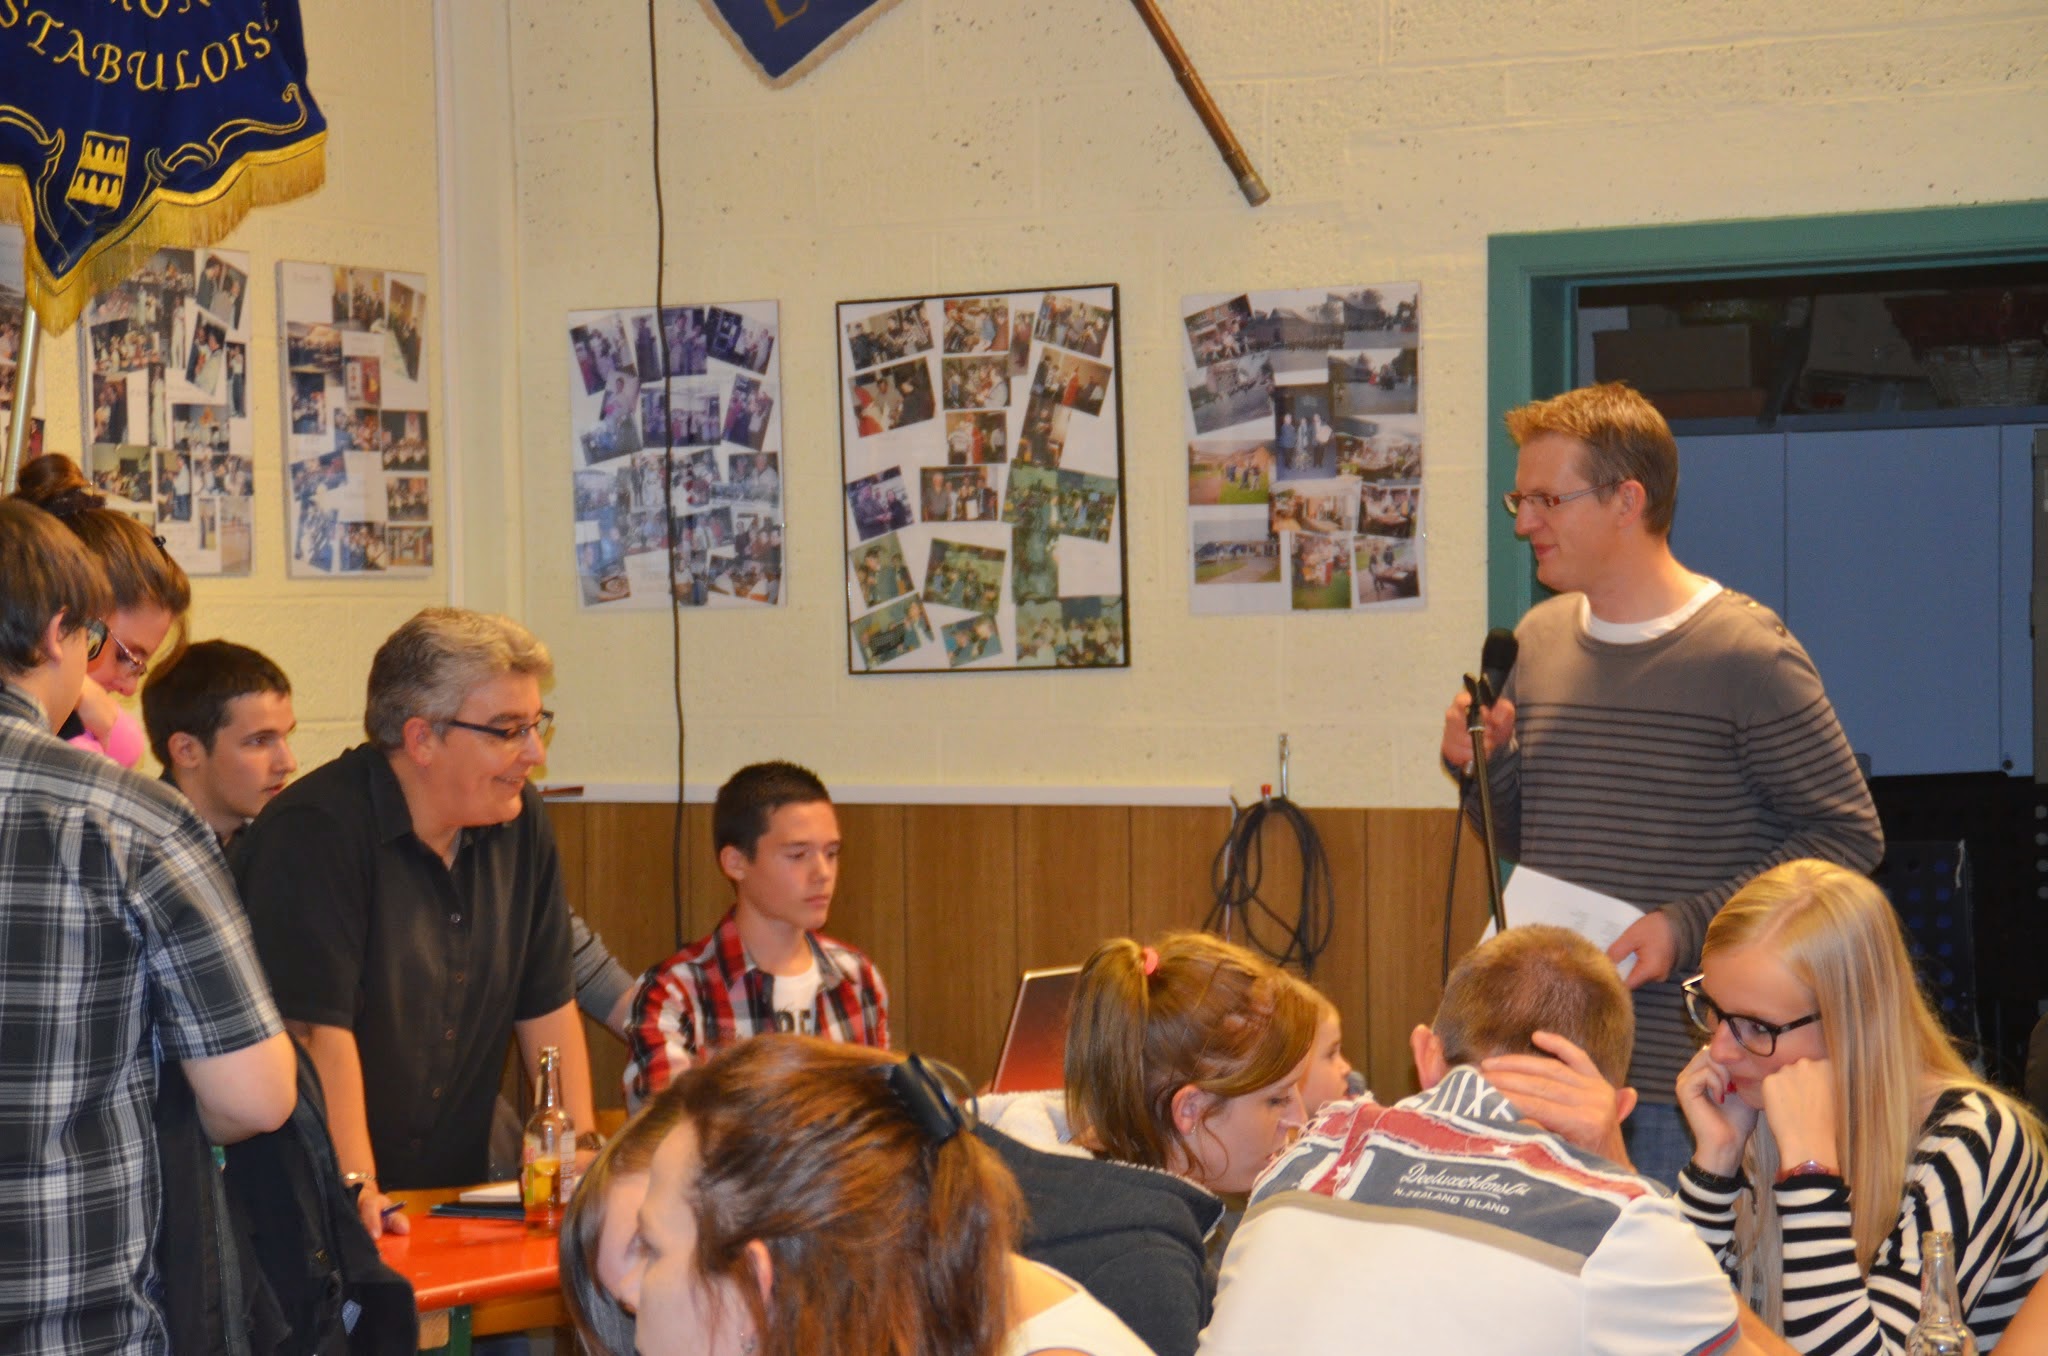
point(1035, 1048)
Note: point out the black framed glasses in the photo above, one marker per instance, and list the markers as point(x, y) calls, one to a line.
point(95, 639)
point(510, 734)
point(1513, 500)
point(1753, 1034)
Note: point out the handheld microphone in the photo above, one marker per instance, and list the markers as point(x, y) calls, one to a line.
point(1496, 660)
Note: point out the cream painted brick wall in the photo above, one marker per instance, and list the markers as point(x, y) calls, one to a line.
point(989, 144)
point(371, 65)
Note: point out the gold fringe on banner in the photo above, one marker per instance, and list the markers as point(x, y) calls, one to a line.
point(817, 54)
point(162, 220)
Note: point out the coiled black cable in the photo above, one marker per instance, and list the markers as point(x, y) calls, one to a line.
point(1240, 869)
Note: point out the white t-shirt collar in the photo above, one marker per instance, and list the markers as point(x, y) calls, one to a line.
point(1635, 633)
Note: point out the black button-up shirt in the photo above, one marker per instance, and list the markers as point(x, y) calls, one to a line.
point(362, 926)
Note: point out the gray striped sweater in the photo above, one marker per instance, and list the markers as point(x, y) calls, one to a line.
point(1668, 772)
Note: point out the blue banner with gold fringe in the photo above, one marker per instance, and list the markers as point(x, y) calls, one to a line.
point(786, 38)
point(132, 125)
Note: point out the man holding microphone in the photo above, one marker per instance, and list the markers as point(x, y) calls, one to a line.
point(1662, 739)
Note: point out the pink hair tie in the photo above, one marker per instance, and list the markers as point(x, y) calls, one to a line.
point(1149, 960)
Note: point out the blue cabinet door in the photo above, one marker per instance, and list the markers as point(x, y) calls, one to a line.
point(1892, 554)
point(2016, 597)
point(1730, 523)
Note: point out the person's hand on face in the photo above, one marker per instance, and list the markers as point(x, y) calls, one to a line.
point(1721, 1121)
point(1799, 1102)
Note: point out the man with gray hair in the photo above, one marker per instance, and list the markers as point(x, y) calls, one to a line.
point(407, 903)
point(1489, 1212)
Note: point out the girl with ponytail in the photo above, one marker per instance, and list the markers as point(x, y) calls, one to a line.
point(819, 1199)
point(1183, 1071)
point(1187, 1058)
point(151, 595)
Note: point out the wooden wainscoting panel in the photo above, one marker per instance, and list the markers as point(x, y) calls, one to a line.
point(1172, 851)
point(1073, 881)
point(626, 898)
point(867, 911)
point(1407, 855)
point(568, 819)
point(959, 931)
point(707, 894)
point(1341, 972)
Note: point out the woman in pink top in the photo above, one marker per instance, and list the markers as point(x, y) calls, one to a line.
point(151, 596)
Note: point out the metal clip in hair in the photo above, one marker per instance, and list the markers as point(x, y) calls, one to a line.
point(925, 1098)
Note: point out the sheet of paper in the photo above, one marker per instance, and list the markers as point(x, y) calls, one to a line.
point(1533, 897)
point(496, 1192)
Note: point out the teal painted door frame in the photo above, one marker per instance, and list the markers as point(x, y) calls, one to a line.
point(1533, 279)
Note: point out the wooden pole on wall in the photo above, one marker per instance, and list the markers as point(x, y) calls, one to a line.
point(24, 382)
point(1248, 181)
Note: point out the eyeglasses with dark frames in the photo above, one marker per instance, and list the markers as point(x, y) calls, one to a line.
point(95, 639)
point(510, 734)
point(1753, 1034)
point(1513, 500)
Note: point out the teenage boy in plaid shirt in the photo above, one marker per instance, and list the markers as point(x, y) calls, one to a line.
point(765, 967)
point(121, 945)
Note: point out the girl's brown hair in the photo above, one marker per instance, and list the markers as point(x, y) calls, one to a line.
point(1208, 1013)
point(141, 572)
point(603, 1326)
point(883, 1239)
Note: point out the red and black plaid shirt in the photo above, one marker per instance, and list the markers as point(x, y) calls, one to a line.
point(711, 994)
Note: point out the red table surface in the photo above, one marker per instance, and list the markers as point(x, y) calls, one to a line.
point(467, 1261)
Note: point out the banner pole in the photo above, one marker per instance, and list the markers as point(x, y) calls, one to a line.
point(1248, 181)
point(24, 383)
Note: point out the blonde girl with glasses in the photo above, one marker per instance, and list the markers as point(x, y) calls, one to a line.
point(1836, 1124)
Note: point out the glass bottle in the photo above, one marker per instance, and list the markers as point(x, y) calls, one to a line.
point(547, 1172)
point(1941, 1330)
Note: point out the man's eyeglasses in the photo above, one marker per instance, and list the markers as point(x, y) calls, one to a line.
point(1753, 1034)
point(1514, 499)
point(95, 639)
point(510, 734)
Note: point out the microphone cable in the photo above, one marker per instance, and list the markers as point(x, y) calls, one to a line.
point(1239, 870)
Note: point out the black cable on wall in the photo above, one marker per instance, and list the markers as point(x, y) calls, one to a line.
point(668, 473)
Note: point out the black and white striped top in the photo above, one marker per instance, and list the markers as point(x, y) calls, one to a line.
point(1975, 1174)
point(1668, 772)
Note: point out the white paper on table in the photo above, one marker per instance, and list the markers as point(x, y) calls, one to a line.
point(1533, 897)
point(502, 1193)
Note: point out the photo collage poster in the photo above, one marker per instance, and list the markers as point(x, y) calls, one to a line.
point(695, 395)
point(982, 440)
point(13, 312)
point(166, 357)
point(1304, 449)
point(358, 484)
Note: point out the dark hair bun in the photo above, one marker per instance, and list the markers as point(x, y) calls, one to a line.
point(53, 483)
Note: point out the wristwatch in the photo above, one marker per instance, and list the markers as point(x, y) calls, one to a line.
point(354, 1182)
